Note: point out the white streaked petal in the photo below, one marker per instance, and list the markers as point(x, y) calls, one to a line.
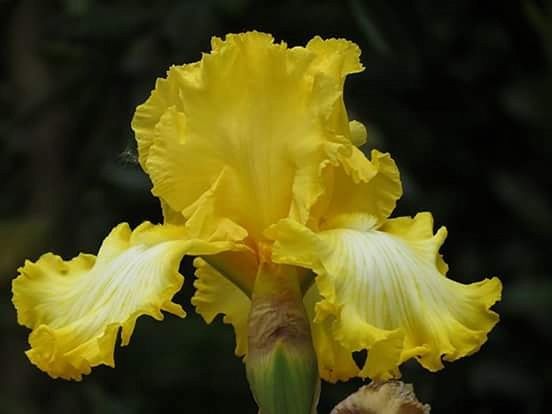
point(387, 294)
point(75, 308)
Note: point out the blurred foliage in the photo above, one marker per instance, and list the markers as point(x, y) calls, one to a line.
point(460, 92)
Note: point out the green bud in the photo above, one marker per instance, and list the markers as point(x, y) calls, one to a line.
point(281, 363)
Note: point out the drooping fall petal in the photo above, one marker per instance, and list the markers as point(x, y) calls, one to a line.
point(76, 307)
point(215, 295)
point(386, 292)
point(335, 363)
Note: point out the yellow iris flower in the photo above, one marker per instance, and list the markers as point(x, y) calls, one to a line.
point(256, 164)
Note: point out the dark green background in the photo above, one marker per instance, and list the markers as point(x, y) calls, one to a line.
point(460, 92)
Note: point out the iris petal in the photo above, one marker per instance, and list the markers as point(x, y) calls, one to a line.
point(387, 294)
point(335, 362)
point(75, 308)
point(364, 192)
point(215, 295)
point(250, 124)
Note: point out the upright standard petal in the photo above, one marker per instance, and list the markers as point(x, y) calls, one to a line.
point(385, 292)
point(75, 308)
point(363, 192)
point(248, 128)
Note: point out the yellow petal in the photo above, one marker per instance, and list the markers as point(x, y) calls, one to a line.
point(335, 59)
point(364, 192)
point(214, 295)
point(238, 266)
point(247, 129)
point(171, 216)
point(387, 294)
point(419, 231)
point(148, 114)
point(75, 308)
point(335, 363)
